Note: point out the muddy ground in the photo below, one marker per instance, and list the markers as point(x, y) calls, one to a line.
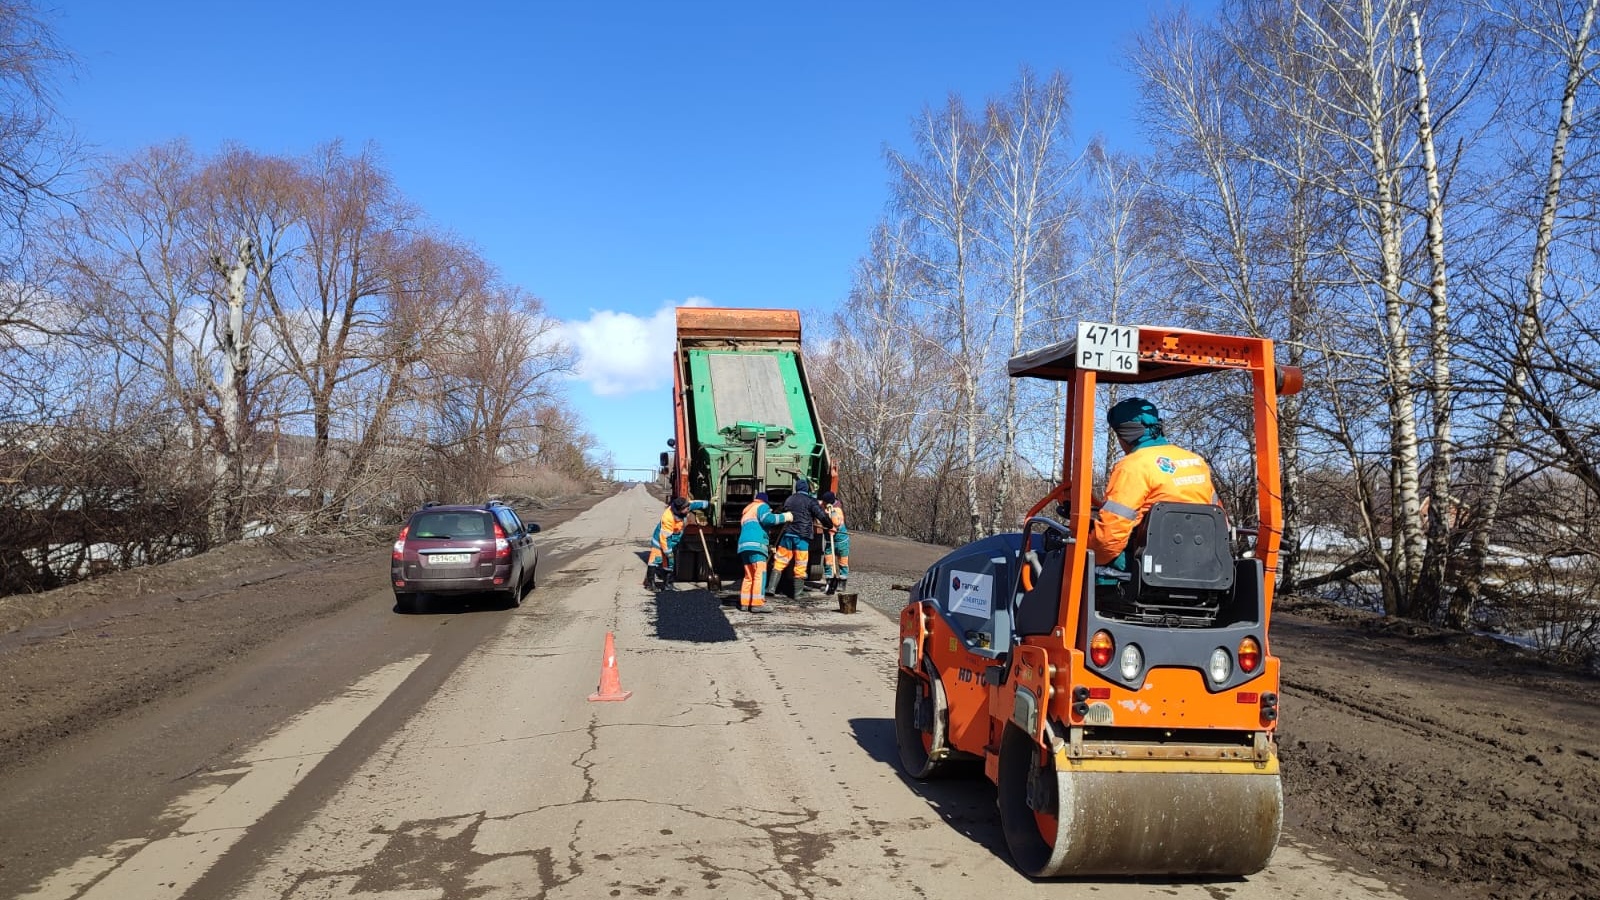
point(1454, 766)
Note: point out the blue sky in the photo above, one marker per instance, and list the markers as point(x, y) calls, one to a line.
point(616, 159)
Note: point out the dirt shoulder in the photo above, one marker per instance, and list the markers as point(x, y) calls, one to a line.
point(1450, 761)
point(78, 657)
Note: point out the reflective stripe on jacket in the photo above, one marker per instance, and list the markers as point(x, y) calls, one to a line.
point(1149, 475)
point(753, 525)
point(670, 529)
point(836, 516)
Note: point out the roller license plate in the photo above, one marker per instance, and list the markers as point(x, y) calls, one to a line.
point(436, 559)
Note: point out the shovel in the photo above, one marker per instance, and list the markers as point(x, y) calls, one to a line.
point(713, 583)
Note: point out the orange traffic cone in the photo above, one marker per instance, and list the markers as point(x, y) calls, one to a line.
point(610, 681)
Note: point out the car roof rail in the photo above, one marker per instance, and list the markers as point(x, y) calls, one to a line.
point(495, 503)
point(429, 504)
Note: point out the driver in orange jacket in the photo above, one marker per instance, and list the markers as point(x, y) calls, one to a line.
point(1151, 470)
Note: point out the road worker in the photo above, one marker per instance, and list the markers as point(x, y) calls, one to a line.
point(664, 541)
point(795, 542)
point(754, 546)
point(1151, 470)
point(836, 551)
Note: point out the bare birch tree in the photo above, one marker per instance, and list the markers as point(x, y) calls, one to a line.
point(872, 377)
point(1432, 578)
point(1027, 196)
point(940, 190)
point(1549, 28)
point(1352, 54)
point(1237, 203)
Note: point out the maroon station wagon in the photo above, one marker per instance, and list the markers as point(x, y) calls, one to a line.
point(452, 550)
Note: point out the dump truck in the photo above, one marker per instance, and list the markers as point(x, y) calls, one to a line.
point(1128, 730)
point(745, 422)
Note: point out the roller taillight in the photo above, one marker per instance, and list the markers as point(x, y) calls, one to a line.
point(1249, 655)
point(1101, 647)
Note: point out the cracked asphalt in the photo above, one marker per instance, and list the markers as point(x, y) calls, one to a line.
point(754, 759)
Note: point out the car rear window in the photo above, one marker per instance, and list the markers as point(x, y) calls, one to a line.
point(451, 525)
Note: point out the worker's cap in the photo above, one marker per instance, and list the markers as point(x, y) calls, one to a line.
point(802, 486)
point(680, 505)
point(762, 496)
point(829, 497)
point(1133, 409)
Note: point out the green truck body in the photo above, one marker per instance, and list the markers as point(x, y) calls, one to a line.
point(746, 423)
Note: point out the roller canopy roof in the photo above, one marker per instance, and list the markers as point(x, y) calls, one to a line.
point(1164, 353)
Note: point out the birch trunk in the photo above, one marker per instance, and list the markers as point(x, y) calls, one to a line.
point(226, 513)
point(1433, 574)
point(1409, 543)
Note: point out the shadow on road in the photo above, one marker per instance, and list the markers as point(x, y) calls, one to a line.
point(424, 604)
point(963, 798)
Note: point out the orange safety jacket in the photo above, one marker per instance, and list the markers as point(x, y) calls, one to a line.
point(1141, 479)
point(671, 523)
point(670, 528)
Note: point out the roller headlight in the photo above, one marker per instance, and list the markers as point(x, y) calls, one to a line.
point(1132, 662)
point(1220, 666)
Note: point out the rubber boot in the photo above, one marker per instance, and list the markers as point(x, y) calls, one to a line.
point(797, 588)
point(649, 577)
point(833, 585)
point(666, 578)
point(840, 582)
point(772, 584)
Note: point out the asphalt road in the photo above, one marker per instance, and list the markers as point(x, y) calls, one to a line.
point(457, 755)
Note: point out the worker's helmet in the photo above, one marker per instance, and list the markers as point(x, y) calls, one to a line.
point(680, 505)
point(802, 486)
point(829, 497)
point(1134, 419)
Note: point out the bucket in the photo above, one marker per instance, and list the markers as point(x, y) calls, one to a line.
point(847, 603)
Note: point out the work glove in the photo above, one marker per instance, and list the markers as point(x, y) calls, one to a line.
point(788, 517)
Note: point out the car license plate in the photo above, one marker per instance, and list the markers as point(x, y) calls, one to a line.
point(437, 558)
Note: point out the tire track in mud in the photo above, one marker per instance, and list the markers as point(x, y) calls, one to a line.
point(1376, 709)
point(1464, 778)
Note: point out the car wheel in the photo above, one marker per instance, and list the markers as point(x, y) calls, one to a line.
point(513, 594)
point(533, 577)
point(405, 603)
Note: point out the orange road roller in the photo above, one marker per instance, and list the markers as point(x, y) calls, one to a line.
point(1129, 723)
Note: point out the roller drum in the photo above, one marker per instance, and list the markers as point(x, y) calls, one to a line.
point(1136, 822)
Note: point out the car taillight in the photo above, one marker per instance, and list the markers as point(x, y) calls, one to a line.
point(400, 545)
point(1100, 647)
point(502, 547)
point(1249, 654)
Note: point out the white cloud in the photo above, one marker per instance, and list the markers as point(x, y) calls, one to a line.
point(620, 353)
